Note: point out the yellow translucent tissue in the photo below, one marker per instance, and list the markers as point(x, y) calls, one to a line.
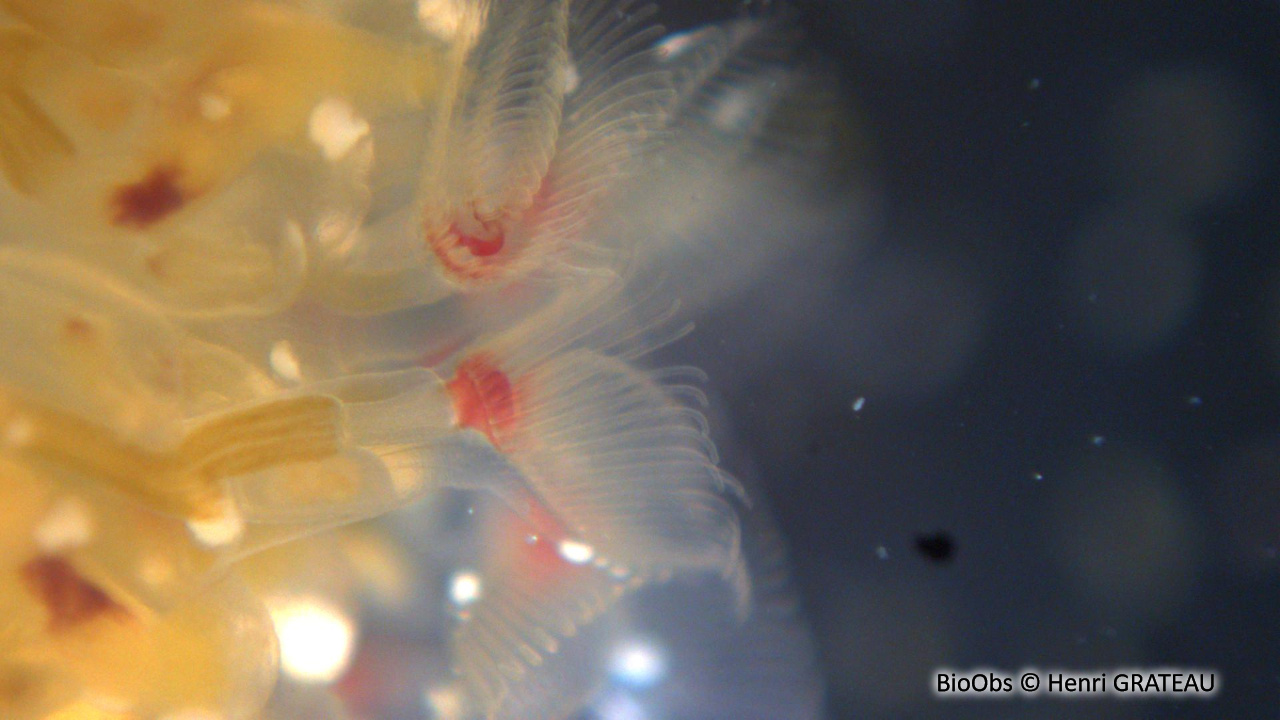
point(165, 140)
point(107, 390)
point(73, 628)
point(229, 79)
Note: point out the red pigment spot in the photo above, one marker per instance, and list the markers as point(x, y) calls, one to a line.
point(148, 200)
point(480, 247)
point(470, 257)
point(483, 398)
point(70, 599)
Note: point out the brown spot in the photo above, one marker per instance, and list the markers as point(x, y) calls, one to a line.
point(158, 265)
point(149, 200)
point(19, 686)
point(77, 328)
point(69, 598)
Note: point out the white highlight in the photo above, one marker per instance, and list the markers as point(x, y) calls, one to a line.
point(444, 703)
point(221, 529)
point(464, 588)
point(214, 107)
point(336, 128)
point(676, 44)
point(316, 638)
point(284, 363)
point(576, 552)
point(69, 524)
point(638, 664)
point(449, 20)
point(571, 78)
point(620, 706)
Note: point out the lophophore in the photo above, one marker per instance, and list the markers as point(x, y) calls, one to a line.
point(326, 389)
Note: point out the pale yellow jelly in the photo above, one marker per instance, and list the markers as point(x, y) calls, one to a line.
point(75, 627)
point(166, 140)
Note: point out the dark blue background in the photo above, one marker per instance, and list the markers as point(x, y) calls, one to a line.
point(1042, 177)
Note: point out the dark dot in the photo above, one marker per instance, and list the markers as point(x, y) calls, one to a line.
point(937, 547)
point(149, 200)
point(69, 598)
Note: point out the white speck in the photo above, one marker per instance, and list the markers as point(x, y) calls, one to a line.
point(1037, 476)
point(882, 552)
point(859, 404)
point(675, 45)
point(284, 363)
point(336, 128)
point(223, 528)
point(69, 524)
point(1097, 440)
point(638, 664)
point(1194, 401)
point(316, 638)
point(464, 588)
point(1034, 84)
point(571, 78)
point(443, 702)
point(214, 107)
point(576, 552)
point(457, 21)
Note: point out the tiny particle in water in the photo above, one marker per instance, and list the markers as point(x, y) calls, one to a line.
point(1033, 84)
point(859, 404)
point(938, 547)
point(1194, 401)
point(1097, 440)
point(1037, 476)
point(882, 552)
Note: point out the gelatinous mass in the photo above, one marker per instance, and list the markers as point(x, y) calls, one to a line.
point(269, 269)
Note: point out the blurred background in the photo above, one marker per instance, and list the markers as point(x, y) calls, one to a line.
point(1014, 397)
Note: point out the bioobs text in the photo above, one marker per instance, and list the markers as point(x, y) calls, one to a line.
point(972, 684)
point(1120, 682)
